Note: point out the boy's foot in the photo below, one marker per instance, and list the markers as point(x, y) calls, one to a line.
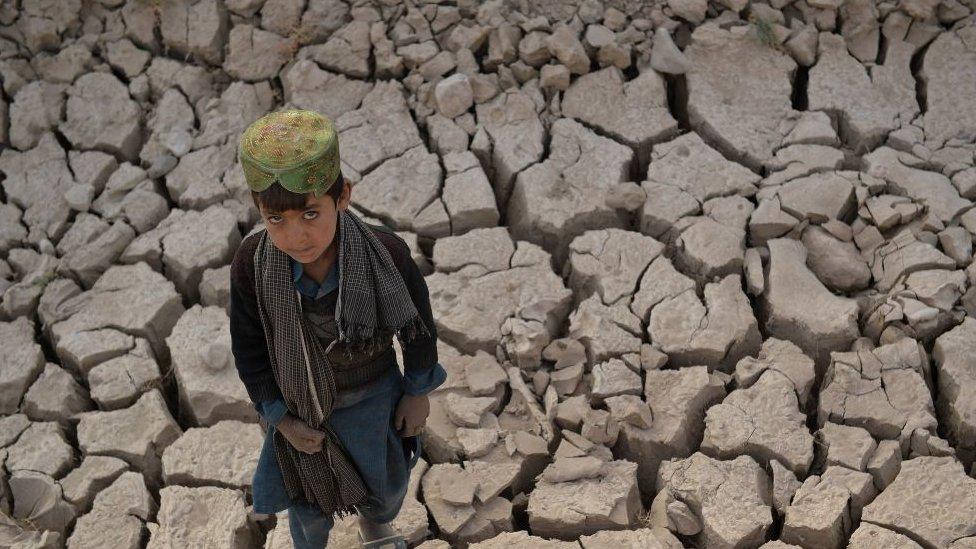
point(379, 535)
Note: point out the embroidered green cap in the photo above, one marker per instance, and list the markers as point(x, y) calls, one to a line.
point(297, 148)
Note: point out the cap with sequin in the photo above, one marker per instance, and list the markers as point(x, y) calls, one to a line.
point(296, 148)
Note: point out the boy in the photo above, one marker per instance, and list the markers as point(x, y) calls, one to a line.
point(316, 298)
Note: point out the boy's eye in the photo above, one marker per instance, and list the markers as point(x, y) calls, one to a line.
point(311, 214)
point(274, 219)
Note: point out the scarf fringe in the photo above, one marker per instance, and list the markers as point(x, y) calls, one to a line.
point(359, 337)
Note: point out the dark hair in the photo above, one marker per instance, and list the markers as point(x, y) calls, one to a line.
point(279, 199)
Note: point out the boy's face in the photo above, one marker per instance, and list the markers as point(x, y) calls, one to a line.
point(306, 234)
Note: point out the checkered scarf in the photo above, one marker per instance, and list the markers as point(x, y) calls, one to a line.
point(373, 299)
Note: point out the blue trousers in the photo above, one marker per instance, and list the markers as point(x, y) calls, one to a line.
point(363, 421)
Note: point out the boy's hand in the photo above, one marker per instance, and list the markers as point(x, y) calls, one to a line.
point(411, 414)
point(300, 435)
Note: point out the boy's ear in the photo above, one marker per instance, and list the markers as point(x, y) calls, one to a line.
point(346, 196)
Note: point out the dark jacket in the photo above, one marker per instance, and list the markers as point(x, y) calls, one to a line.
point(247, 335)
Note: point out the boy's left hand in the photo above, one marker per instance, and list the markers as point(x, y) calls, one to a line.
point(411, 414)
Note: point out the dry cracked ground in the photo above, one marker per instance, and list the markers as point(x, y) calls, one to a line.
point(702, 270)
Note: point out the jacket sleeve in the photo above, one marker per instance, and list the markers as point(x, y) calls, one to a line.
point(419, 355)
point(247, 338)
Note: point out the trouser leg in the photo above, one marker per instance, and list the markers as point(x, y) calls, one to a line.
point(309, 526)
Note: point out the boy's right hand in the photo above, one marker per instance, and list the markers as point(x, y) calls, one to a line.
point(300, 435)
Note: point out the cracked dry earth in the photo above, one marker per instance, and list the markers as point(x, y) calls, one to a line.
point(702, 270)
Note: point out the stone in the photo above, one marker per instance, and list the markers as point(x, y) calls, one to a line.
point(554, 77)
point(69, 63)
point(21, 365)
point(225, 454)
point(225, 525)
point(138, 434)
point(95, 474)
point(836, 263)
point(12, 233)
point(868, 107)
point(440, 480)
point(254, 54)
point(564, 45)
point(813, 128)
point(605, 332)
point(651, 538)
point(614, 378)
point(947, 69)
point(210, 389)
point(785, 486)
point(37, 108)
point(818, 330)
point(678, 400)
point(347, 51)
point(103, 528)
point(126, 57)
point(690, 164)
point(665, 56)
point(871, 535)
point(795, 161)
point(633, 112)
point(569, 469)
point(901, 255)
point(118, 382)
point(883, 391)
point(382, 129)
point(446, 137)
point(41, 448)
point(554, 201)
point(939, 480)
point(730, 497)
point(516, 539)
point(715, 56)
point(818, 197)
point(215, 288)
point(717, 331)
point(628, 196)
point(846, 446)
point(127, 495)
point(762, 421)
point(101, 116)
point(515, 138)
point(87, 261)
point(399, 189)
point(709, 248)
point(498, 294)
point(55, 396)
point(307, 86)
point(630, 409)
point(130, 197)
point(11, 426)
point(37, 501)
point(467, 194)
point(885, 463)
point(609, 263)
point(45, 211)
point(819, 514)
point(784, 358)
point(467, 412)
point(173, 115)
point(932, 189)
point(610, 502)
point(194, 81)
point(952, 354)
point(186, 244)
point(453, 95)
point(493, 246)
